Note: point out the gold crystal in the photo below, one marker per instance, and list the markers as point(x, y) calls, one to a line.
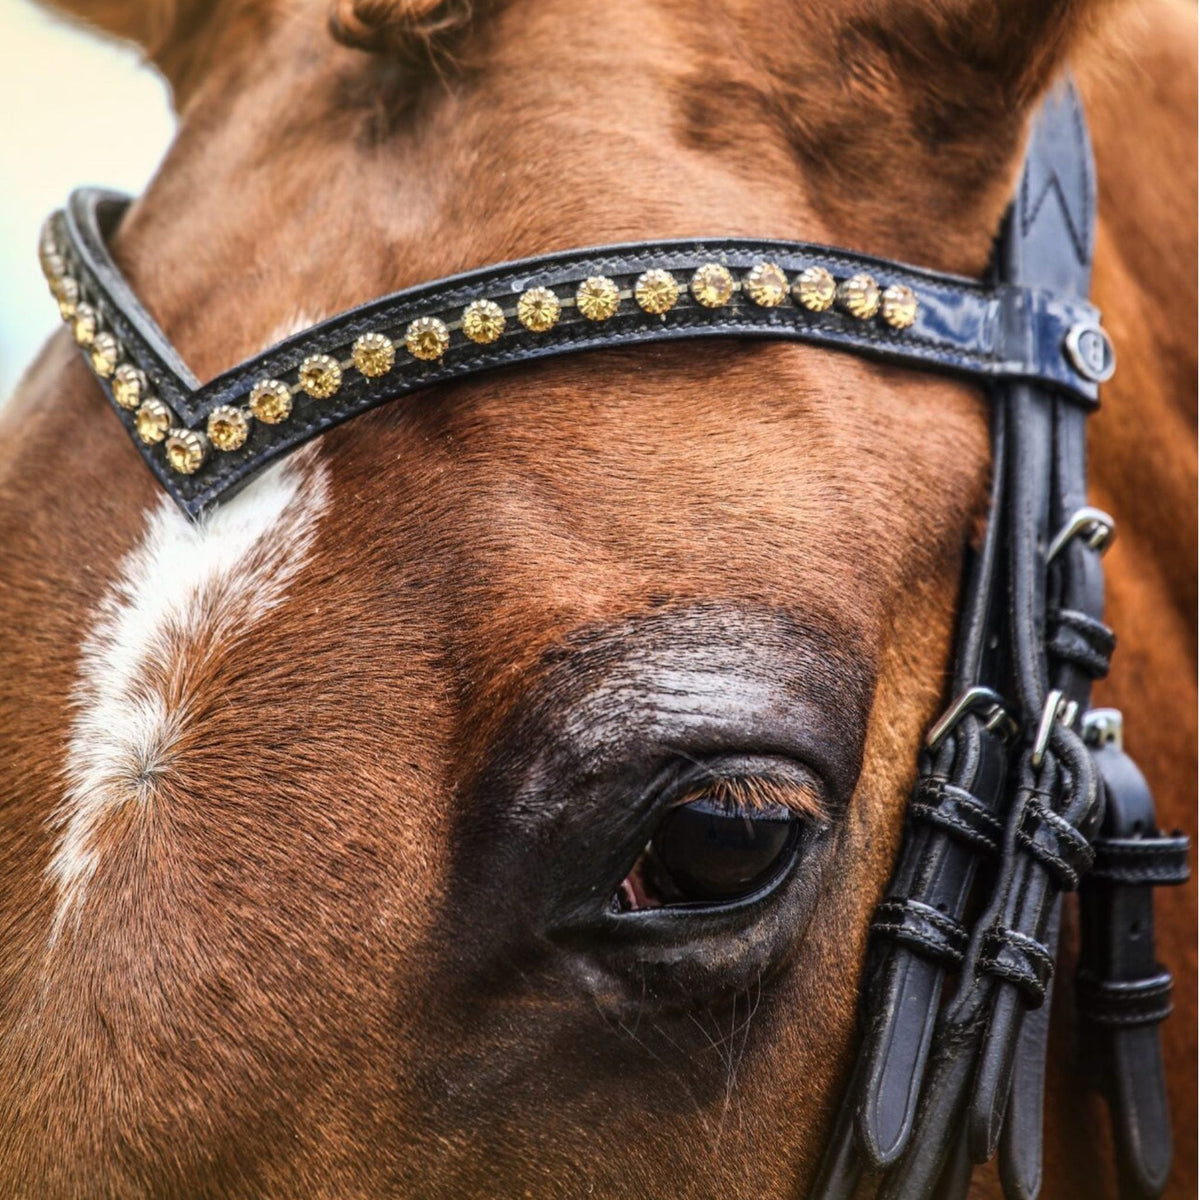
point(483, 321)
point(186, 450)
point(767, 285)
point(427, 338)
point(106, 353)
point(85, 324)
point(712, 285)
point(899, 306)
point(54, 267)
point(597, 298)
point(127, 385)
point(656, 291)
point(271, 401)
point(153, 420)
point(538, 309)
point(859, 296)
point(66, 292)
point(373, 354)
point(47, 242)
point(228, 427)
point(815, 289)
point(320, 376)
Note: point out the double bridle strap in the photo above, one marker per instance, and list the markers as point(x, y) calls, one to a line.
point(1022, 794)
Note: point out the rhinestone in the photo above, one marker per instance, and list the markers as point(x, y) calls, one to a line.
point(373, 354)
point(597, 298)
point(859, 296)
point(899, 306)
point(814, 289)
point(320, 376)
point(712, 285)
point(271, 401)
point(47, 241)
point(106, 353)
point(656, 291)
point(186, 450)
point(427, 338)
point(228, 427)
point(86, 323)
point(153, 421)
point(538, 309)
point(66, 292)
point(767, 285)
point(54, 267)
point(483, 321)
point(127, 384)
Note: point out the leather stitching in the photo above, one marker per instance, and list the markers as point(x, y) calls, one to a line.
point(1055, 843)
point(975, 350)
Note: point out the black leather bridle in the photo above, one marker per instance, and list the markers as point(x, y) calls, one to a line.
point(1023, 793)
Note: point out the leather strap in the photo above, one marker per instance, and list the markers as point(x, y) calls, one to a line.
point(1160, 860)
point(941, 1083)
point(1122, 991)
point(987, 332)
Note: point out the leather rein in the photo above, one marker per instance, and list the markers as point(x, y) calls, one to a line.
point(1023, 792)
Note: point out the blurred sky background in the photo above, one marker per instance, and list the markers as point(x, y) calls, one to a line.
point(80, 111)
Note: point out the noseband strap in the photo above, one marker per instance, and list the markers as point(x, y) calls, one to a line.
point(1020, 790)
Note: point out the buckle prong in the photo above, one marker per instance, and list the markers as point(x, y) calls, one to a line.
point(1093, 523)
point(1057, 710)
point(982, 700)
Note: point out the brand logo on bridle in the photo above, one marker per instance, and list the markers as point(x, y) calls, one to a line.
point(1090, 352)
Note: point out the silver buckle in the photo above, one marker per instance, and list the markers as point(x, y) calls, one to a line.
point(1103, 727)
point(1056, 711)
point(982, 700)
point(1099, 527)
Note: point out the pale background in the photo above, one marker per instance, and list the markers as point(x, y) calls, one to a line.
point(78, 110)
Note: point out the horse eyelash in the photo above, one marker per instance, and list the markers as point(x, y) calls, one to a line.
point(759, 793)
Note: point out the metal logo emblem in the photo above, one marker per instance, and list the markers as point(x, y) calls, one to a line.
point(1090, 352)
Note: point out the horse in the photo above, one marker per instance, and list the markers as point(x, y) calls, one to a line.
point(294, 794)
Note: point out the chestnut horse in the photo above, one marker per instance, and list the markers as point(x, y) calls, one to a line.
point(292, 797)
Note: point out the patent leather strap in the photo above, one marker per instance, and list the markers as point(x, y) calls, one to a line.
point(987, 332)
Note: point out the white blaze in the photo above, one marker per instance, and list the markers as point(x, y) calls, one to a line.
point(184, 588)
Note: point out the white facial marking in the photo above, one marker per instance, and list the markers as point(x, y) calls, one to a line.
point(184, 589)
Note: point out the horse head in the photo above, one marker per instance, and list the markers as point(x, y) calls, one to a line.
point(492, 797)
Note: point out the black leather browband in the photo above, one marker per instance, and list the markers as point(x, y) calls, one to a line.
point(986, 332)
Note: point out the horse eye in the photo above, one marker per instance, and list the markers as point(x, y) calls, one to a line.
point(712, 851)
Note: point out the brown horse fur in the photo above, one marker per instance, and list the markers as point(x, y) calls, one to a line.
point(304, 963)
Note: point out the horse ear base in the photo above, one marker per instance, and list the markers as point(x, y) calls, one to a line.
point(417, 33)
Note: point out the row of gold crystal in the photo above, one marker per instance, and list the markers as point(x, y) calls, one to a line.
point(538, 309)
point(185, 448)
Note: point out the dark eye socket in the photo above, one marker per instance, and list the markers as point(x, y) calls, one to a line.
point(729, 842)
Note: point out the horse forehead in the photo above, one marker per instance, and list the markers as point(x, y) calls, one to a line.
point(807, 467)
point(180, 595)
